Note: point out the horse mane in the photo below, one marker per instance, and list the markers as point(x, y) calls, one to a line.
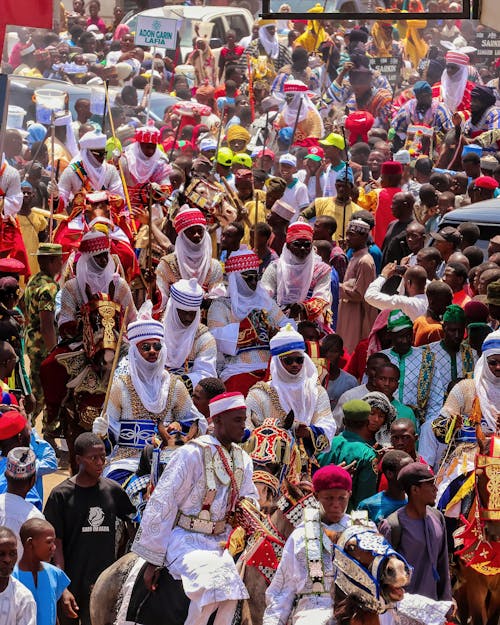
point(349, 610)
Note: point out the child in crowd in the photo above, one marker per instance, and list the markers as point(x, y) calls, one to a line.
point(47, 583)
point(17, 606)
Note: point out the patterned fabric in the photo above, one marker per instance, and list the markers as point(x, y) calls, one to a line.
point(263, 402)
point(74, 180)
point(379, 104)
point(167, 273)
point(437, 117)
point(255, 50)
point(420, 385)
point(463, 367)
point(489, 121)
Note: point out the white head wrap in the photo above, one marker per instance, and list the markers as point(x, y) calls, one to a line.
point(453, 87)
point(295, 392)
point(243, 298)
point(179, 339)
point(93, 140)
point(294, 276)
point(88, 272)
point(140, 165)
point(269, 42)
point(150, 379)
point(487, 384)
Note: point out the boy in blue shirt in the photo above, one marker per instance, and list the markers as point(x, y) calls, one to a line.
point(47, 583)
point(384, 503)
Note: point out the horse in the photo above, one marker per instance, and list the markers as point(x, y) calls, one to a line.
point(89, 368)
point(369, 575)
point(123, 579)
point(477, 542)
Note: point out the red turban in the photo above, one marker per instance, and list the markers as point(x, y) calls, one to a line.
point(299, 230)
point(358, 124)
point(11, 423)
point(331, 476)
point(486, 182)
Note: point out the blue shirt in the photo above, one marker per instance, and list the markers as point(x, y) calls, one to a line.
point(46, 462)
point(380, 506)
point(51, 583)
point(374, 251)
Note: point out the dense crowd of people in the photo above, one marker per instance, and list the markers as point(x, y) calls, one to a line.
point(273, 253)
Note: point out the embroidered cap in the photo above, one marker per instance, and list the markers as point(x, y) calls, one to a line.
point(226, 402)
point(21, 463)
point(147, 134)
point(242, 260)
point(94, 243)
point(285, 341)
point(299, 231)
point(187, 218)
point(187, 294)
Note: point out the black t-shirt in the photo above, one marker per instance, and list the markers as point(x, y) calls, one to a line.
point(85, 521)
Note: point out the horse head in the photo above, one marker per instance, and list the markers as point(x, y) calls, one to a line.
point(101, 318)
point(368, 570)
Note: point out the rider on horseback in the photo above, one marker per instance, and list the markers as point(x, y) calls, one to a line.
point(305, 573)
point(188, 518)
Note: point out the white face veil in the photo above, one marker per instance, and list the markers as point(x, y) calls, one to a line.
point(487, 384)
point(294, 277)
point(179, 339)
point(244, 299)
point(194, 259)
point(269, 42)
point(453, 87)
point(89, 273)
point(140, 165)
point(296, 392)
point(95, 170)
point(150, 379)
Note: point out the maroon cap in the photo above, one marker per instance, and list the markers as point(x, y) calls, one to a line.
point(331, 476)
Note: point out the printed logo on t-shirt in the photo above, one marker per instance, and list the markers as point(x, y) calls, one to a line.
point(96, 519)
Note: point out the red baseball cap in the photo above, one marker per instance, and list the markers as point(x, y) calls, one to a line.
point(315, 153)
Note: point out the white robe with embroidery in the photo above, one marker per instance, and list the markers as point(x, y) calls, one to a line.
point(292, 579)
point(207, 570)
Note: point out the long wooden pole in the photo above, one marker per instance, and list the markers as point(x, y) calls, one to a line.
point(115, 361)
point(52, 173)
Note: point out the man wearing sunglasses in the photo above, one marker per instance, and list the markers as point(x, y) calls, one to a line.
point(293, 388)
point(299, 281)
point(144, 396)
point(243, 323)
point(88, 171)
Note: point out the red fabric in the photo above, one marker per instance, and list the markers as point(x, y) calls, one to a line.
point(54, 377)
point(383, 214)
point(242, 262)
point(299, 230)
point(331, 476)
point(464, 106)
point(127, 258)
point(243, 382)
point(356, 364)
point(11, 423)
point(21, 13)
point(188, 218)
point(12, 245)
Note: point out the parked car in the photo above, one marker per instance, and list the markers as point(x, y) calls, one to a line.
point(485, 214)
point(223, 19)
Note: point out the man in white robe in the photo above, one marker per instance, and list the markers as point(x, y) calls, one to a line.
point(187, 520)
point(303, 580)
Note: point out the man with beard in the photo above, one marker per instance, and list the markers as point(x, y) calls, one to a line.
point(299, 281)
point(422, 110)
point(244, 322)
point(485, 115)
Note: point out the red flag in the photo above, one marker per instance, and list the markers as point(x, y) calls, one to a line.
point(29, 13)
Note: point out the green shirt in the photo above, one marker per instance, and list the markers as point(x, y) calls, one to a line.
point(349, 446)
point(405, 412)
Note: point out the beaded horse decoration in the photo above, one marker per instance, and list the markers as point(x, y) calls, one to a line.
point(369, 577)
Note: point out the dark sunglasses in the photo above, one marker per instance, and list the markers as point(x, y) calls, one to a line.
point(290, 360)
point(147, 347)
point(98, 153)
point(249, 275)
point(304, 244)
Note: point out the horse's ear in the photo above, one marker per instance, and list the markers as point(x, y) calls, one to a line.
point(288, 422)
point(293, 490)
point(88, 291)
point(111, 290)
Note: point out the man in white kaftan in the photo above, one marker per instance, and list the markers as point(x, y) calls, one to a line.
point(186, 521)
point(301, 587)
point(88, 171)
